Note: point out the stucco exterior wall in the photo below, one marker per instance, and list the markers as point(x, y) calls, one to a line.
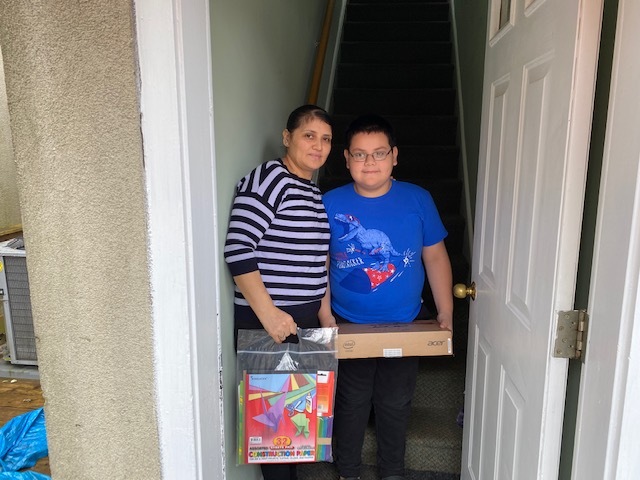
point(70, 70)
point(9, 203)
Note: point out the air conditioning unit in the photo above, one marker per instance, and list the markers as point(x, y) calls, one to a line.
point(16, 302)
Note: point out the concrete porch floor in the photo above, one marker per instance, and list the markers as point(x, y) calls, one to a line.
point(27, 372)
point(17, 396)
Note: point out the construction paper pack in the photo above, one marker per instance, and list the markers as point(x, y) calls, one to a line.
point(286, 416)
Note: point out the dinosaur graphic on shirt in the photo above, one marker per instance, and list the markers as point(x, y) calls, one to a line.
point(373, 242)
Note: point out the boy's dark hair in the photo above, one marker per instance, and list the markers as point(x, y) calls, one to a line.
point(305, 113)
point(370, 123)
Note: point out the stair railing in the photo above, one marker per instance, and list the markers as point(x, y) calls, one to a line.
point(468, 210)
point(321, 53)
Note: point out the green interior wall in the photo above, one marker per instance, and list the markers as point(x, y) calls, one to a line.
point(263, 55)
point(471, 26)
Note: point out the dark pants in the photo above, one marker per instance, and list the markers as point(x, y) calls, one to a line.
point(386, 383)
point(279, 471)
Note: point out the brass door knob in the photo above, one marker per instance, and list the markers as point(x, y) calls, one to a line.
point(460, 290)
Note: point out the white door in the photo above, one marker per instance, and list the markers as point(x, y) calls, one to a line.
point(537, 104)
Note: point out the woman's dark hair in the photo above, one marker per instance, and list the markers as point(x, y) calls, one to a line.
point(305, 113)
point(370, 123)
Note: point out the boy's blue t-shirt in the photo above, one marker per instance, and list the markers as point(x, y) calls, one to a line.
point(376, 270)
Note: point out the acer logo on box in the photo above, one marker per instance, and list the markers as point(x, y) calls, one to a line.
point(435, 343)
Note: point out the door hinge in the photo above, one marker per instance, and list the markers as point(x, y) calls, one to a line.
point(571, 334)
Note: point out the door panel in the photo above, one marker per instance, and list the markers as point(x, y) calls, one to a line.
point(489, 228)
point(532, 169)
point(475, 419)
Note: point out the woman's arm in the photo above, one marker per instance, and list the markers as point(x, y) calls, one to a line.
point(278, 324)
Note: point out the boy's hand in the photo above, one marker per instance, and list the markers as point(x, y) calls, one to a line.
point(327, 320)
point(445, 321)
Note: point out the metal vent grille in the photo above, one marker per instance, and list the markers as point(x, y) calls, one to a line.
point(21, 318)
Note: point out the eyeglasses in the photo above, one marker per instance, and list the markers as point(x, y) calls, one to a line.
point(377, 156)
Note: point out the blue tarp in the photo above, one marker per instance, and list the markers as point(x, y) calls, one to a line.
point(23, 441)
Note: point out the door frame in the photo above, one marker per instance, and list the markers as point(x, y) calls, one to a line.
point(584, 65)
point(610, 377)
point(174, 54)
point(177, 127)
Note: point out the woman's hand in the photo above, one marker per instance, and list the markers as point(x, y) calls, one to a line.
point(279, 325)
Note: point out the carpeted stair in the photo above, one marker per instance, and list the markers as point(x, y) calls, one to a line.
point(396, 60)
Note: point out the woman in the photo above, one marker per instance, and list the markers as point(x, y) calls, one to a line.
point(278, 239)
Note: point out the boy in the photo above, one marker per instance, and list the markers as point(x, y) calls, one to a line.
point(382, 233)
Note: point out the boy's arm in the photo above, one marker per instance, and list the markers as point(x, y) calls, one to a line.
point(438, 268)
point(324, 315)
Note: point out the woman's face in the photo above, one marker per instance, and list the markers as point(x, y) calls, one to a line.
point(308, 147)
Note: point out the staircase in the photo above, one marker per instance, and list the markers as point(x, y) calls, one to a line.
point(396, 60)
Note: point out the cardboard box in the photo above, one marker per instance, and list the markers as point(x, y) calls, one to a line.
point(420, 338)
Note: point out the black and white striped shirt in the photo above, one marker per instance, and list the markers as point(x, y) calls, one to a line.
point(279, 226)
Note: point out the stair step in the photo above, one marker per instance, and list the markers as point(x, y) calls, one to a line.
point(400, 52)
point(456, 226)
point(396, 31)
point(398, 11)
point(440, 383)
point(328, 471)
point(354, 75)
point(394, 101)
point(435, 439)
point(459, 267)
point(411, 130)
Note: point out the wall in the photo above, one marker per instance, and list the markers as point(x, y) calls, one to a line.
point(9, 203)
point(70, 70)
point(263, 56)
point(470, 18)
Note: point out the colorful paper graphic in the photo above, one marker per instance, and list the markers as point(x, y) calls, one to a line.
point(277, 423)
point(285, 417)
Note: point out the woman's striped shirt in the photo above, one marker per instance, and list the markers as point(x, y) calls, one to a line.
point(279, 226)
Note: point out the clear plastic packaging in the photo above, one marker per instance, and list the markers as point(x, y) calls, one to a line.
point(285, 396)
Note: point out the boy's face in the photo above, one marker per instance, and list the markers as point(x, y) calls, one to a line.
point(372, 177)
